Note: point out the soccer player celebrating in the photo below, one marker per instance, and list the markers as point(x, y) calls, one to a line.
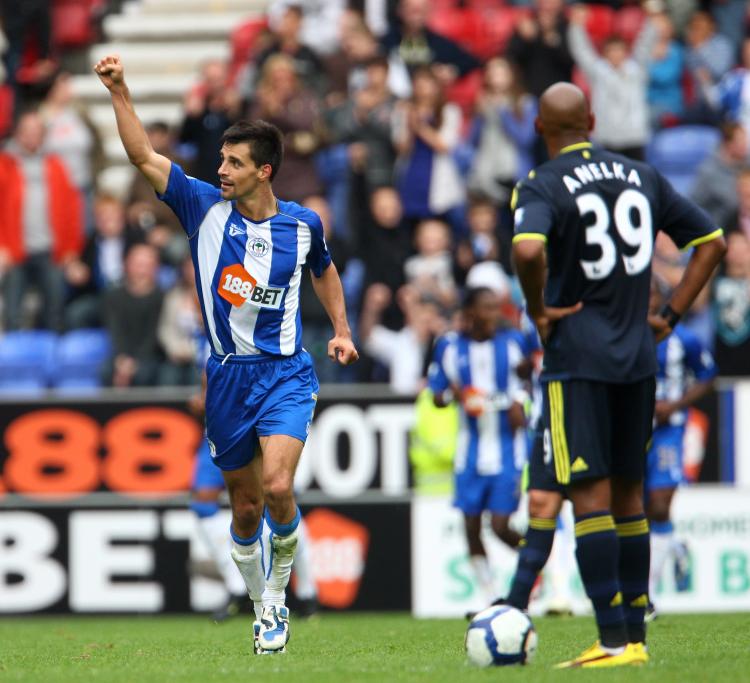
point(479, 368)
point(585, 223)
point(686, 373)
point(248, 249)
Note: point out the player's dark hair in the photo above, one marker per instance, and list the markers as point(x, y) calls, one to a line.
point(158, 127)
point(471, 296)
point(728, 129)
point(264, 139)
point(614, 39)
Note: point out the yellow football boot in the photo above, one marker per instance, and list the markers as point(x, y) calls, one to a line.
point(634, 654)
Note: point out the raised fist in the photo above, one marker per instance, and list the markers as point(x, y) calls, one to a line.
point(110, 71)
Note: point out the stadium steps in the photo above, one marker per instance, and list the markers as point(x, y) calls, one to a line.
point(172, 27)
point(162, 44)
point(192, 6)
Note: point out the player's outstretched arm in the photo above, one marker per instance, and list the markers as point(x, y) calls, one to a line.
point(701, 266)
point(141, 154)
point(331, 294)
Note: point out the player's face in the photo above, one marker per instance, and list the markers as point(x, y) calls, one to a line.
point(484, 315)
point(238, 175)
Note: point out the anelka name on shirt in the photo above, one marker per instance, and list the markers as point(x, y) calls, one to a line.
point(595, 171)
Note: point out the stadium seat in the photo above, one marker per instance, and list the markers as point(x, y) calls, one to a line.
point(677, 153)
point(74, 22)
point(464, 92)
point(600, 23)
point(242, 40)
point(6, 109)
point(628, 22)
point(26, 359)
point(79, 359)
point(498, 24)
point(462, 25)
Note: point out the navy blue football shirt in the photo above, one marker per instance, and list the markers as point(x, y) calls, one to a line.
point(599, 214)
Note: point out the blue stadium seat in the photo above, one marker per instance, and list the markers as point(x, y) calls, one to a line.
point(26, 359)
point(80, 357)
point(677, 153)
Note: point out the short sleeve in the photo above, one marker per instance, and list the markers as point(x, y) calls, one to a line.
point(437, 378)
point(189, 198)
point(532, 214)
point(687, 224)
point(698, 359)
point(318, 258)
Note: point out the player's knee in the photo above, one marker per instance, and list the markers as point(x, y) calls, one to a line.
point(247, 512)
point(544, 504)
point(278, 491)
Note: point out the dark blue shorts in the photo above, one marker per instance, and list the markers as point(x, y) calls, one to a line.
point(206, 475)
point(249, 397)
point(541, 470)
point(664, 460)
point(598, 429)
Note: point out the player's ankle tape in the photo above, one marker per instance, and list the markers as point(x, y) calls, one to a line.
point(283, 529)
point(239, 540)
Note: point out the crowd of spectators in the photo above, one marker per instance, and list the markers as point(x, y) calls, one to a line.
point(408, 144)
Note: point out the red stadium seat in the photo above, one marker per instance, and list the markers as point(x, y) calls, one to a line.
point(73, 22)
point(464, 92)
point(628, 22)
point(498, 24)
point(461, 25)
point(242, 40)
point(600, 23)
point(6, 109)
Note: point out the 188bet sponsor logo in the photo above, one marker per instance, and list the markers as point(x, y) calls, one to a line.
point(238, 287)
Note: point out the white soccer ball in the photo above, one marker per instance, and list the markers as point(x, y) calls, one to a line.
point(500, 635)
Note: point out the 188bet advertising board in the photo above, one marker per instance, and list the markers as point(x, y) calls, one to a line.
point(94, 515)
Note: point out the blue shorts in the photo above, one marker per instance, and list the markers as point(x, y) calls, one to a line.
point(206, 475)
point(498, 493)
point(249, 397)
point(664, 459)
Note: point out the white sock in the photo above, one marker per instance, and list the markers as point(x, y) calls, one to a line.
point(482, 571)
point(661, 549)
point(213, 531)
point(305, 588)
point(248, 559)
point(282, 557)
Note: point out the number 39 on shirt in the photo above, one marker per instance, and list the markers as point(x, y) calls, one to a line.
point(633, 222)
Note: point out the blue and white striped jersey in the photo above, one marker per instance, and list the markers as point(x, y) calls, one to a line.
point(682, 359)
point(486, 443)
point(247, 274)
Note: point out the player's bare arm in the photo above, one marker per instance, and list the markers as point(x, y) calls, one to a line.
point(701, 266)
point(141, 154)
point(663, 410)
point(531, 266)
point(328, 289)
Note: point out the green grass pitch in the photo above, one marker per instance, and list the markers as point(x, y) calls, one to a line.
point(347, 647)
